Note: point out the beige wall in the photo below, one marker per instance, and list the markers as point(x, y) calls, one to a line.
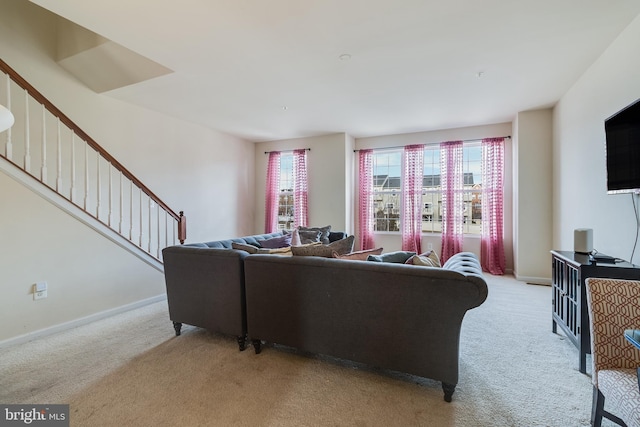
point(207, 174)
point(329, 173)
point(532, 226)
point(580, 199)
point(86, 273)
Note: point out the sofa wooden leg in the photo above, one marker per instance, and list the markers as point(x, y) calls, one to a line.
point(257, 345)
point(178, 327)
point(448, 391)
point(242, 342)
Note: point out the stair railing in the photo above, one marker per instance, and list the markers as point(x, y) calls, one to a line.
point(65, 159)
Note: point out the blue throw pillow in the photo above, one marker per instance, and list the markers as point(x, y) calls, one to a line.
point(398, 257)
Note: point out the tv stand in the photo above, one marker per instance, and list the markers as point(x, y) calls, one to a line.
point(569, 297)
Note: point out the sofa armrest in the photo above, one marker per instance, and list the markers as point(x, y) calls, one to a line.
point(205, 287)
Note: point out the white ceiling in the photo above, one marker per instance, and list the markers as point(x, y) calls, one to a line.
point(267, 70)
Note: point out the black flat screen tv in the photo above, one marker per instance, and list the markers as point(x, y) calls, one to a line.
point(622, 131)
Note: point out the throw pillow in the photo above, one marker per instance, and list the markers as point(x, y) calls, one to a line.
point(295, 238)
point(241, 246)
point(324, 237)
point(427, 259)
point(358, 255)
point(278, 251)
point(398, 257)
point(309, 236)
point(277, 242)
point(341, 247)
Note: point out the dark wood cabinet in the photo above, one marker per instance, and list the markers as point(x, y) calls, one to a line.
point(569, 298)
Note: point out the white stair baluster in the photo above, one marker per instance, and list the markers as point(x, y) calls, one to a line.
point(72, 192)
point(99, 184)
point(27, 141)
point(59, 161)
point(150, 215)
point(86, 175)
point(141, 219)
point(43, 169)
point(131, 210)
point(110, 218)
point(121, 204)
point(9, 146)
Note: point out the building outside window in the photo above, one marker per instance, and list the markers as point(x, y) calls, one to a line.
point(285, 198)
point(388, 192)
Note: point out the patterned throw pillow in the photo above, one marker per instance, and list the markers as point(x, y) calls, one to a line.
point(324, 236)
point(276, 251)
point(341, 247)
point(358, 255)
point(427, 259)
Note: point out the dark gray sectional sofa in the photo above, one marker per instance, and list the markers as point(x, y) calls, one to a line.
point(205, 285)
point(394, 316)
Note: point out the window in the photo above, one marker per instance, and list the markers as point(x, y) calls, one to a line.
point(388, 192)
point(285, 195)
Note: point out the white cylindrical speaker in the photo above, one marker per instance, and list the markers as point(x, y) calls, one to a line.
point(583, 240)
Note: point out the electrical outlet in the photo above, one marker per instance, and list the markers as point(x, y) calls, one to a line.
point(39, 295)
point(430, 246)
point(40, 290)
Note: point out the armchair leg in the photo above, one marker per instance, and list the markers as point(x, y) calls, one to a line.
point(257, 346)
point(597, 411)
point(597, 407)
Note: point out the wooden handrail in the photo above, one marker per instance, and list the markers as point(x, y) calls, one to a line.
point(82, 134)
point(36, 95)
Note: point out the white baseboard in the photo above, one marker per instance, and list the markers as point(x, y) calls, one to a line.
point(79, 322)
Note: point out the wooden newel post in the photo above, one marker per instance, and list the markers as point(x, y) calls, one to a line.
point(182, 228)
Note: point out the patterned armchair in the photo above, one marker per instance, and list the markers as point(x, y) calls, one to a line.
point(614, 305)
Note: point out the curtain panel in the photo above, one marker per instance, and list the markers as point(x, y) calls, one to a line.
point(365, 200)
point(272, 193)
point(492, 257)
point(300, 189)
point(412, 177)
point(452, 183)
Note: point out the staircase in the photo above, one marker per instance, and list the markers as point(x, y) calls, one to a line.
point(49, 153)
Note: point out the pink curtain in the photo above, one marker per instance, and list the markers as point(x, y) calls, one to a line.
point(452, 183)
point(300, 189)
point(272, 193)
point(365, 200)
point(492, 256)
point(412, 175)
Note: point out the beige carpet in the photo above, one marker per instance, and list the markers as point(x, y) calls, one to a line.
point(130, 370)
